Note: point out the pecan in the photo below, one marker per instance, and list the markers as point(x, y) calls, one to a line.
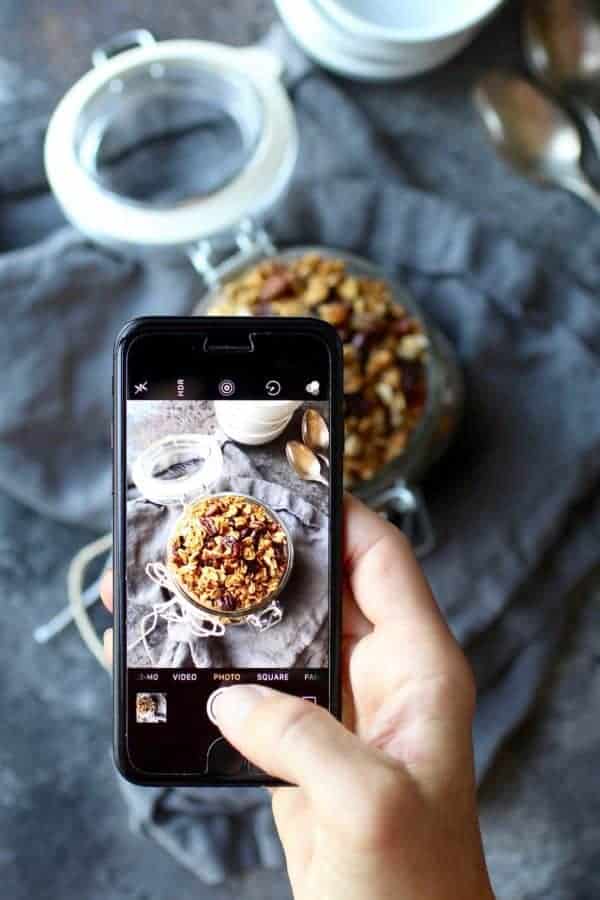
point(209, 525)
point(276, 286)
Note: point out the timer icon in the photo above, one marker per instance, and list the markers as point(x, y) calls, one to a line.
point(273, 388)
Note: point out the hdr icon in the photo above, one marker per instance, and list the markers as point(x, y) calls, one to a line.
point(180, 388)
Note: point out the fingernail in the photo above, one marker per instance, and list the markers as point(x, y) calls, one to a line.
point(232, 704)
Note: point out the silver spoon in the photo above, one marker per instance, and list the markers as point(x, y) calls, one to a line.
point(561, 41)
point(304, 462)
point(533, 133)
point(315, 433)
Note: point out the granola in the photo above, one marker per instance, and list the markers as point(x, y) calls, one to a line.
point(229, 553)
point(146, 705)
point(385, 348)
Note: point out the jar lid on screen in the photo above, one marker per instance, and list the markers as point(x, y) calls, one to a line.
point(178, 468)
point(165, 144)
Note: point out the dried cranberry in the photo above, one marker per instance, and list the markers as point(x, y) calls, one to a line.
point(412, 375)
point(357, 405)
point(228, 602)
point(364, 338)
point(280, 552)
point(401, 327)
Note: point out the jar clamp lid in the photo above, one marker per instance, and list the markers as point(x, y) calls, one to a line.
point(182, 469)
point(242, 83)
point(200, 461)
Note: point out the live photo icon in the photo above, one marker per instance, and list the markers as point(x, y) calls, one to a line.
point(312, 388)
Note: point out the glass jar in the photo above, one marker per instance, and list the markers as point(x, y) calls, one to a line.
point(393, 489)
point(199, 462)
point(140, 92)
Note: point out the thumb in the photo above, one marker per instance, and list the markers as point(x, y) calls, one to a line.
point(294, 740)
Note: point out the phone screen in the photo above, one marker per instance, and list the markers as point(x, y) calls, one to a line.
point(227, 496)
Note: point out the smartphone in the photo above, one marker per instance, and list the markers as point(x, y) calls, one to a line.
point(227, 442)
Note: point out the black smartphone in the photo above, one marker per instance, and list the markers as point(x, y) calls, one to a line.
point(227, 441)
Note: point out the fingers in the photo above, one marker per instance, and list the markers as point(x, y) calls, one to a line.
point(106, 589)
point(290, 807)
point(297, 741)
point(413, 690)
point(106, 592)
point(391, 591)
point(381, 567)
point(355, 624)
point(107, 639)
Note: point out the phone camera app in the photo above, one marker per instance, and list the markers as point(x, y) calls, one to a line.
point(227, 388)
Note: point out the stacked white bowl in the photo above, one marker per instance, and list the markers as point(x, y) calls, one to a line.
point(254, 422)
point(381, 40)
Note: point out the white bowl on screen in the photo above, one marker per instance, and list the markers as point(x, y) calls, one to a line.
point(254, 422)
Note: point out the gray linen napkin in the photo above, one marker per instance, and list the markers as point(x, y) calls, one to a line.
point(213, 833)
point(514, 502)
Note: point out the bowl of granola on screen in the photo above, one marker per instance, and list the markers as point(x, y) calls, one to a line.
point(230, 555)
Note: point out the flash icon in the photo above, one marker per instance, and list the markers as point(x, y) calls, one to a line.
point(313, 388)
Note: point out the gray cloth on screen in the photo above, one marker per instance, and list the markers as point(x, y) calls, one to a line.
point(513, 502)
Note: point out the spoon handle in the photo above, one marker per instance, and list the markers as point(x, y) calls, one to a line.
point(582, 188)
point(591, 119)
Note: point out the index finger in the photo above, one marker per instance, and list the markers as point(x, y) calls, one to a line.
point(381, 568)
point(412, 686)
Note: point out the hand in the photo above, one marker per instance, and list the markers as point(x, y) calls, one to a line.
point(386, 804)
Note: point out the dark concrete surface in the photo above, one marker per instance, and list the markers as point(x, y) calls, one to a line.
point(63, 827)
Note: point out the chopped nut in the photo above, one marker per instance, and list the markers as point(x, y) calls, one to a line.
point(334, 313)
point(348, 289)
point(396, 444)
point(412, 345)
point(352, 445)
point(353, 381)
point(378, 361)
point(393, 377)
point(287, 307)
point(316, 291)
point(385, 392)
